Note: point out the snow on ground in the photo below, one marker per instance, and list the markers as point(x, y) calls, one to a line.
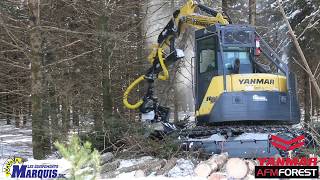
point(130, 176)
point(132, 162)
point(183, 170)
point(255, 136)
point(15, 141)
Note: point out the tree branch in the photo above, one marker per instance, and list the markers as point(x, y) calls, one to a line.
point(72, 58)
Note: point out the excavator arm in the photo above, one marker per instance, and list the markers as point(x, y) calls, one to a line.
point(182, 18)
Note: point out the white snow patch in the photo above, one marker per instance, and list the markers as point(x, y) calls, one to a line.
point(132, 162)
point(282, 26)
point(161, 178)
point(15, 141)
point(214, 137)
point(182, 168)
point(296, 12)
point(250, 136)
point(126, 175)
point(284, 58)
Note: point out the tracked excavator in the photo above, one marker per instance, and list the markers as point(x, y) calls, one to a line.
point(239, 100)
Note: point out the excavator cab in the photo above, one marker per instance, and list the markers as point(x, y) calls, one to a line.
point(231, 86)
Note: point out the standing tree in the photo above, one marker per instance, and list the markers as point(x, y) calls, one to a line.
point(252, 12)
point(38, 130)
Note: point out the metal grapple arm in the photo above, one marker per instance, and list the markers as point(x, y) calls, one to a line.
point(183, 17)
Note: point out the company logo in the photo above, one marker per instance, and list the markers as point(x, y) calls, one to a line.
point(9, 163)
point(211, 99)
point(295, 167)
point(287, 145)
point(14, 167)
point(259, 98)
point(256, 81)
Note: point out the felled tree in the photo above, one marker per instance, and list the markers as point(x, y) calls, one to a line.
point(84, 160)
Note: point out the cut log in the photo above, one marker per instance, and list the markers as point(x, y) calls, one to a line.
point(251, 166)
point(105, 158)
point(250, 177)
point(139, 173)
point(217, 161)
point(217, 176)
point(236, 168)
point(203, 169)
point(169, 165)
point(107, 167)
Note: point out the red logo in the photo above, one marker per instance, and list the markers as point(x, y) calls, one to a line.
point(287, 145)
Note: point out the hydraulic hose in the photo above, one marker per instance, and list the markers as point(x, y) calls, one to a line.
point(127, 92)
point(163, 76)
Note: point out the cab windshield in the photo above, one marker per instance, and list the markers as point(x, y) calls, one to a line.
point(233, 57)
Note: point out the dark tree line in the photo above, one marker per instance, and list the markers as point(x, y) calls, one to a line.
point(64, 64)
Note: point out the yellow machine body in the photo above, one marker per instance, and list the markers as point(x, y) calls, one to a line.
point(238, 83)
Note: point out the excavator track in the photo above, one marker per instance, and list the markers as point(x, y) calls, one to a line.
point(240, 141)
point(205, 131)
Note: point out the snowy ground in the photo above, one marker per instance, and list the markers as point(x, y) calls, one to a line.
point(183, 170)
point(18, 142)
point(15, 141)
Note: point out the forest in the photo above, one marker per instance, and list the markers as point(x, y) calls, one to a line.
point(65, 65)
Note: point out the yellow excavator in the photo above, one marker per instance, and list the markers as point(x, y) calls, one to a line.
point(241, 85)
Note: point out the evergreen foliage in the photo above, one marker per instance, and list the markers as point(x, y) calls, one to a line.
point(84, 160)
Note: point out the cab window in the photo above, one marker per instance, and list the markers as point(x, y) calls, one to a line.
point(207, 55)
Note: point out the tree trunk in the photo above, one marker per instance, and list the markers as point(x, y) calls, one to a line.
point(75, 115)
point(252, 12)
point(16, 116)
point(45, 124)
point(65, 115)
point(24, 120)
point(7, 111)
point(46, 110)
point(55, 127)
point(24, 113)
point(176, 104)
point(97, 119)
point(310, 96)
point(105, 71)
point(38, 131)
point(306, 100)
point(225, 6)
